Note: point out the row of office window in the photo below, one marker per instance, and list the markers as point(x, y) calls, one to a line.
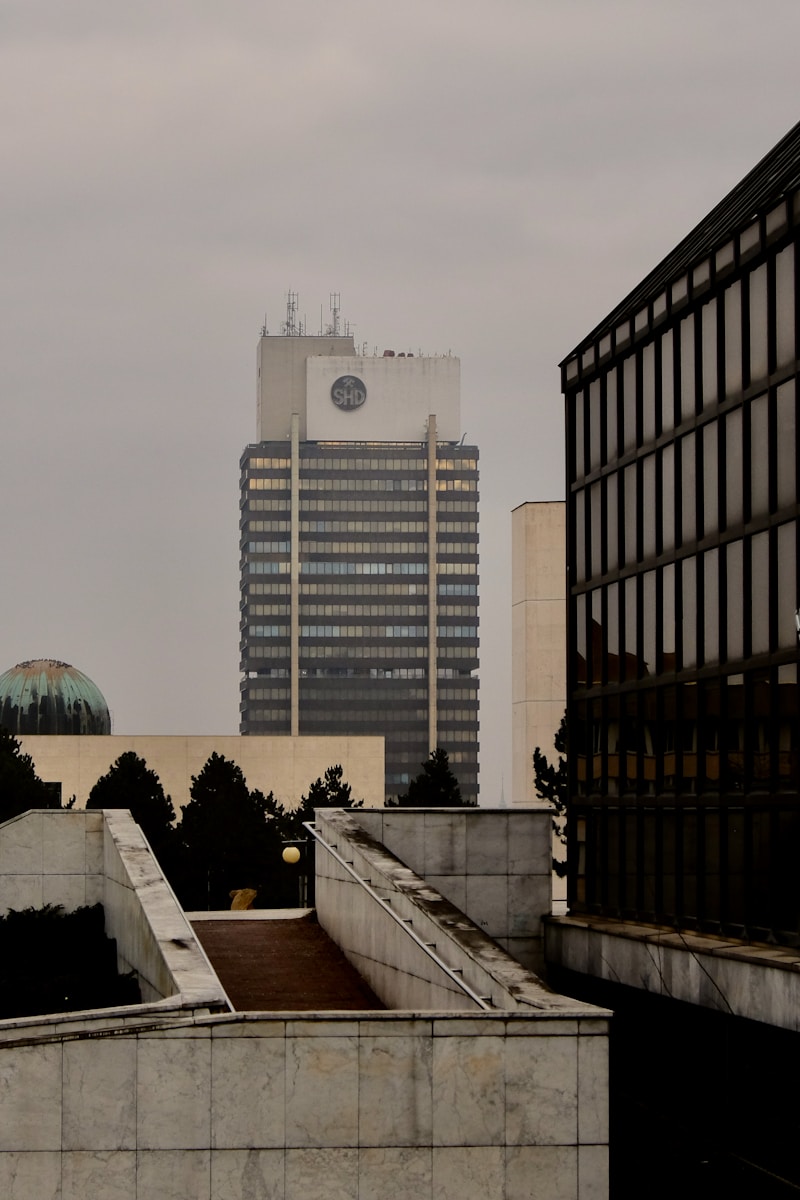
point(372, 505)
point(364, 526)
point(728, 472)
point(395, 505)
point(354, 631)
point(456, 526)
point(457, 589)
point(456, 464)
point(456, 485)
point(268, 610)
point(276, 483)
point(267, 547)
point(357, 484)
point(401, 650)
point(735, 734)
point(715, 352)
point(459, 651)
point(451, 693)
point(275, 587)
point(373, 694)
point(447, 547)
point(336, 588)
point(417, 546)
point(398, 525)
point(450, 506)
point(357, 716)
point(276, 526)
point(267, 464)
point(455, 568)
point(364, 610)
point(451, 716)
point(351, 672)
point(328, 463)
point(722, 605)
point(337, 567)
point(457, 631)
point(268, 631)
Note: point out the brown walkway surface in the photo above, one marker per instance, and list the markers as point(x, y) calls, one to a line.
point(284, 965)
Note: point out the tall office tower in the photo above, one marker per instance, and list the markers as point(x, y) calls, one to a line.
point(359, 554)
point(683, 589)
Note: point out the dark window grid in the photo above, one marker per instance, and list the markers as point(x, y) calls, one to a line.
point(659, 668)
point(657, 385)
point(716, 351)
point(772, 314)
point(666, 493)
point(746, 599)
point(719, 279)
point(603, 418)
point(727, 598)
point(582, 399)
point(746, 371)
point(639, 413)
point(748, 422)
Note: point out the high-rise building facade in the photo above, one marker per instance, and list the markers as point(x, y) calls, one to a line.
point(682, 545)
point(359, 554)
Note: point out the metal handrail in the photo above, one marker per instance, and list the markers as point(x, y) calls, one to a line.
point(451, 972)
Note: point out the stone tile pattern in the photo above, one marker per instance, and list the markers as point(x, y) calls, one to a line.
point(153, 934)
point(494, 865)
point(51, 857)
point(495, 1107)
point(756, 981)
point(82, 857)
point(396, 968)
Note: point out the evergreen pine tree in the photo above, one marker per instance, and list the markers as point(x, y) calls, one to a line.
point(435, 787)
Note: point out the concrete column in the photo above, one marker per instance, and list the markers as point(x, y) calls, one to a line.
point(432, 598)
point(294, 577)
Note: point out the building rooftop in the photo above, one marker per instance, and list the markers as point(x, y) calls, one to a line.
point(775, 176)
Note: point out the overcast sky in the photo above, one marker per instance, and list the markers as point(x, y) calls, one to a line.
point(482, 178)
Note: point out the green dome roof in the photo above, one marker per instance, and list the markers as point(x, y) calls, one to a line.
point(47, 696)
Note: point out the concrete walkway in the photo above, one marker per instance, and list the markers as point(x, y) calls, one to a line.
point(282, 965)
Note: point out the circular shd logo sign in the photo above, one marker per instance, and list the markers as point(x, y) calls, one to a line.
point(348, 392)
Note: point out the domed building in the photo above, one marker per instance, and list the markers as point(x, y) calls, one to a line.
point(47, 696)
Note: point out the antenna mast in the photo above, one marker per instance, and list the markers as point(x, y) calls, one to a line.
point(335, 301)
point(290, 324)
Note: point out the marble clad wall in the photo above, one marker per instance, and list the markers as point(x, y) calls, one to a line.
point(379, 946)
point(154, 937)
point(51, 857)
point(495, 865)
point(377, 1107)
point(73, 858)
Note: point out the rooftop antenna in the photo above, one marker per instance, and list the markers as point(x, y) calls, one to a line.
point(335, 302)
point(264, 330)
point(290, 324)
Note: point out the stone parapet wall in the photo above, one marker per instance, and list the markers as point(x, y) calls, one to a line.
point(73, 858)
point(373, 925)
point(445, 1106)
point(494, 865)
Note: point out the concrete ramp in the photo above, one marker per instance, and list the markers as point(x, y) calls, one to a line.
point(284, 964)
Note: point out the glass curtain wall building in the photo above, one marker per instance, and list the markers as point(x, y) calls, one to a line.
point(682, 527)
point(359, 556)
